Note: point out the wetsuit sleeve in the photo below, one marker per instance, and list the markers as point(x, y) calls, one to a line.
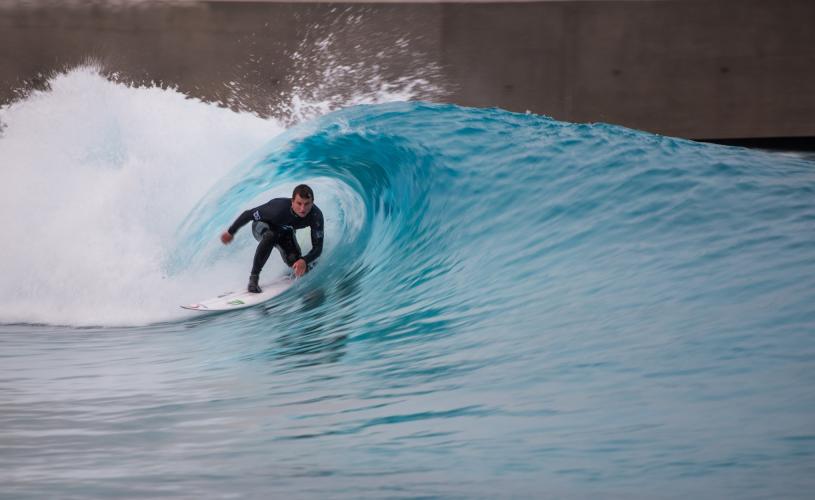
point(316, 239)
point(241, 221)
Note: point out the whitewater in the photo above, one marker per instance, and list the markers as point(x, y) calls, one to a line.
point(507, 305)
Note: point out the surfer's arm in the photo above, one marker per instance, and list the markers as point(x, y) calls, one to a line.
point(316, 240)
point(241, 221)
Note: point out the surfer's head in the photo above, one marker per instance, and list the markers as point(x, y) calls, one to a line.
point(302, 199)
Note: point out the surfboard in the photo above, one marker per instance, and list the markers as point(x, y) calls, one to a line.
point(229, 301)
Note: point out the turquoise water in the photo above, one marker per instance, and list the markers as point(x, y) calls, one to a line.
point(508, 306)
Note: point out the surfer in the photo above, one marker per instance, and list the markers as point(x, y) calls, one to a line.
point(273, 225)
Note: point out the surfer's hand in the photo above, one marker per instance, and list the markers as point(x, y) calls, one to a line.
point(299, 267)
point(226, 237)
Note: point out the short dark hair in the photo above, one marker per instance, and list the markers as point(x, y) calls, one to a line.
point(303, 191)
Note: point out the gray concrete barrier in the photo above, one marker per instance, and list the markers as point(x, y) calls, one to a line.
point(713, 69)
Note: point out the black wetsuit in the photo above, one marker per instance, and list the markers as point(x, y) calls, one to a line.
point(274, 224)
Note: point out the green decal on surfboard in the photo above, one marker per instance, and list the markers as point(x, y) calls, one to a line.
point(236, 302)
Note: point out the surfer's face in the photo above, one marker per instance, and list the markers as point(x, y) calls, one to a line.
point(301, 206)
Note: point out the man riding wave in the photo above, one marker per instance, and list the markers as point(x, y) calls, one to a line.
point(274, 224)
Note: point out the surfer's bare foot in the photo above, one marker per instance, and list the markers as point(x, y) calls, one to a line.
point(253, 284)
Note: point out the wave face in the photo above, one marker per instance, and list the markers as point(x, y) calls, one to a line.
point(507, 305)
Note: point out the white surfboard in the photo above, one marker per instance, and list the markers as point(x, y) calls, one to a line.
point(229, 301)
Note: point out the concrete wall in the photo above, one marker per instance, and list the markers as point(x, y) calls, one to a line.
point(698, 69)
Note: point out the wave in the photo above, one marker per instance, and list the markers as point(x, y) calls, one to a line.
point(436, 215)
point(442, 216)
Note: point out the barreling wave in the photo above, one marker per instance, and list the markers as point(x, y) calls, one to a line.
point(432, 211)
point(466, 215)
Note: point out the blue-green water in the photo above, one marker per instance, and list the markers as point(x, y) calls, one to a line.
point(508, 306)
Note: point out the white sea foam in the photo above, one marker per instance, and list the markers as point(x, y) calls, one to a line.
point(96, 177)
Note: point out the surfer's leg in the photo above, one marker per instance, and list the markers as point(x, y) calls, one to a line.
point(263, 251)
point(267, 241)
point(288, 248)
